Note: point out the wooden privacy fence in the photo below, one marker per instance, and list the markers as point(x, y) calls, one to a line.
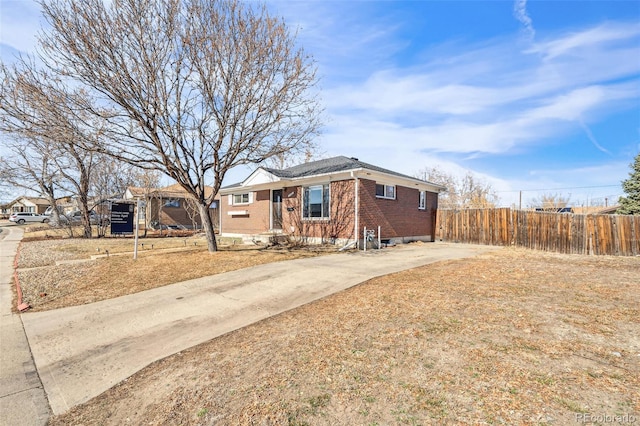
point(616, 235)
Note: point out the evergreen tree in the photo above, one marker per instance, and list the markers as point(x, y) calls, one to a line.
point(631, 203)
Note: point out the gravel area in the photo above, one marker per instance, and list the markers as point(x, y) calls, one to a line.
point(46, 285)
point(45, 253)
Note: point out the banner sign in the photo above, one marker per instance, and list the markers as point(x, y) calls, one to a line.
point(122, 215)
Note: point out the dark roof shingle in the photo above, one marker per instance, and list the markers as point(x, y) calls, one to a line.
point(329, 165)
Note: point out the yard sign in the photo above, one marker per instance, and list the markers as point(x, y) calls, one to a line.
point(122, 218)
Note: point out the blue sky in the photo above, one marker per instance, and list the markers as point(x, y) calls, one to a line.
point(538, 96)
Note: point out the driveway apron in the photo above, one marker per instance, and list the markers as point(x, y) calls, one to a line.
point(82, 351)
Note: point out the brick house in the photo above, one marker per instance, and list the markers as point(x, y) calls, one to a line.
point(169, 207)
point(331, 200)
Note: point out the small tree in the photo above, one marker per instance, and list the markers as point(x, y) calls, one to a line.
point(550, 202)
point(149, 182)
point(631, 186)
point(469, 192)
point(110, 179)
point(191, 207)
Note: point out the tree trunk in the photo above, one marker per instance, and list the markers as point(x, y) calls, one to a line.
point(55, 214)
point(86, 221)
point(207, 225)
point(83, 199)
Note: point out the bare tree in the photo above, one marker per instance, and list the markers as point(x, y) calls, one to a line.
point(469, 192)
point(550, 202)
point(148, 181)
point(30, 166)
point(110, 179)
point(191, 207)
point(192, 88)
point(290, 159)
point(38, 107)
point(475, 193)
point(342, 213)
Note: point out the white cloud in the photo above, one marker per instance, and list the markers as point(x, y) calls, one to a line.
point(520, 12)
point(602, 36)
point(514, 98)
point(592, 138)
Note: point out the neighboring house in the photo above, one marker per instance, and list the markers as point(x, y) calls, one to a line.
point(609, 210)
point(330, 200)
point(26, 205)
point(169, 207)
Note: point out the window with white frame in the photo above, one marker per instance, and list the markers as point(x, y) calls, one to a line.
point(385, 191)
point(315, 202)
point(172, 202)
point(241, 198)
point(423, 200)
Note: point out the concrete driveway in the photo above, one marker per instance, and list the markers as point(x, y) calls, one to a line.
point(82, 351)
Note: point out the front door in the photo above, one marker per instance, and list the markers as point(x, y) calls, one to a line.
point(276, 209)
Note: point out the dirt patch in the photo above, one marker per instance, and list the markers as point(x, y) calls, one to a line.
point(512, 337)
point(46, 285)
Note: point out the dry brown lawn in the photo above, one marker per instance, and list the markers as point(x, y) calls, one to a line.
point(59, 273)
point(510, 337)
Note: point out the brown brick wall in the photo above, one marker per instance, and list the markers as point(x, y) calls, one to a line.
point(397, 218)
point(256, 221)
point(340, 223)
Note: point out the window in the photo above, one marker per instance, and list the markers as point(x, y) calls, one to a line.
point(172, 202)
point(423, 200)
point(241, 198)
point(385, 191)
point(315, 200)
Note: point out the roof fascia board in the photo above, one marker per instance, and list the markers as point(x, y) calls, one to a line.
point(260, 176)
point(359, 172)
point(242, 188)
point(407, 182)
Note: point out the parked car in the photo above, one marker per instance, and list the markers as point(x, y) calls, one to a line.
point(75, 217)
point(23, 217)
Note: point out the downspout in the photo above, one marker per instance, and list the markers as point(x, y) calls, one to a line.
point(219, 217)
point(355, 229)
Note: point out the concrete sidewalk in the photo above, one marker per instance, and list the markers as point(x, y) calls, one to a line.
point(82, 351)
point(22, 397)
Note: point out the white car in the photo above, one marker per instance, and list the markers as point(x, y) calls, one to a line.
point(23, 217)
